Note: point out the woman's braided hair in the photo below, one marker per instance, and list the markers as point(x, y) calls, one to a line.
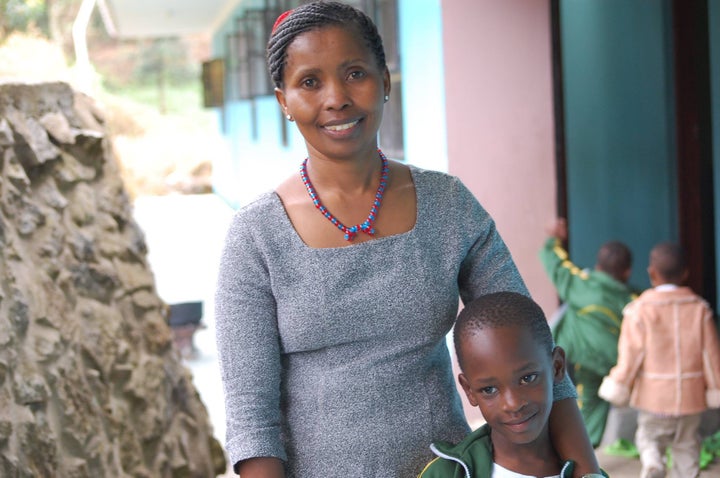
point(317, 15)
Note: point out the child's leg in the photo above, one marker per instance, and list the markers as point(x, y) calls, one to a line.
point(686, 447)
point(593, 408)
point(654, 434)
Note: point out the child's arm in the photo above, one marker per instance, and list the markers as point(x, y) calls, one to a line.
point(564, 274)
point(567, 432)
point(616, 387)
point(711, 359)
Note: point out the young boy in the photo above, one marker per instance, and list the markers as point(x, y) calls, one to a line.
point(509, 364)
point(668, 366)
point(590, 326)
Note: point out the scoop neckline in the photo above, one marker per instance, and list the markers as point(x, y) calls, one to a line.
point(351, 246)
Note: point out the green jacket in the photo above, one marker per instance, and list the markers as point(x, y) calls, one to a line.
point(590, 327)
point(471, 458)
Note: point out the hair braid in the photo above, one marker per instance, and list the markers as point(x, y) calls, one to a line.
point(317, 15)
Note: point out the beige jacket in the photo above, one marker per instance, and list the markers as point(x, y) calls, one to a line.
point(668, 355)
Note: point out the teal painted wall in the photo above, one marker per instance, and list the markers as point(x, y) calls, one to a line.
point(619, 127)
point(714, 27)
point(257, 164)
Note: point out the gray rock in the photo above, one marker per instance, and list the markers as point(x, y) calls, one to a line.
point(90, 382)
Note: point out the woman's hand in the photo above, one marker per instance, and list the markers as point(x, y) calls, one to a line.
point(568, 435)
point(264, 467)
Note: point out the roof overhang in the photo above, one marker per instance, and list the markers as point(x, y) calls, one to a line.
point(164, 18)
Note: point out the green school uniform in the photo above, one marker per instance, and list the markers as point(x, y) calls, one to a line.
point(471, 458)
point(589, 328)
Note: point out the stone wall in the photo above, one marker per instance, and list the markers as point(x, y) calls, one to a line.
point(90, 384)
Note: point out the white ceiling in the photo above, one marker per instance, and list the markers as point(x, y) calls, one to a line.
point(159, 18)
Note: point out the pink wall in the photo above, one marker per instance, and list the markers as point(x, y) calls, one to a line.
point(500, 129)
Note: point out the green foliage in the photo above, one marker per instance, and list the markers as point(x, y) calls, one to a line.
point(23, 15)
point(708, 453)
point(710, 450)
point(622, 447)
point(157, 72)
point(165, 59)
point(184, 99)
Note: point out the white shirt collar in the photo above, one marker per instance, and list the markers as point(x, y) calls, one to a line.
point(501, 472)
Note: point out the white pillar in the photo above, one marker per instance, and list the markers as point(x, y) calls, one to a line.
point(83, 68)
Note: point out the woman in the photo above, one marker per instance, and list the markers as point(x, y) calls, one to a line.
point(337, 289)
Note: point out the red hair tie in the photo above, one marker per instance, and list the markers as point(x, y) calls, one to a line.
point(279, 20)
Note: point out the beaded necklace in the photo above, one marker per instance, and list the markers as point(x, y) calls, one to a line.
point(367, 226)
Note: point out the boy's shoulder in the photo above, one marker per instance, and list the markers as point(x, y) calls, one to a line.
point(610, 284)
point(470, 457)
point(656, 298)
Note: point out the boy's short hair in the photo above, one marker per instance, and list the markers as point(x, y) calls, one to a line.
point(501, 309)
point(614, 258)
point(668, 259)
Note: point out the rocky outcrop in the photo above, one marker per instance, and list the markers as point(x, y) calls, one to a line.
point(90, 384)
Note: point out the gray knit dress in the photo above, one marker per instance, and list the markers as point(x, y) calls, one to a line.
point(335, 360)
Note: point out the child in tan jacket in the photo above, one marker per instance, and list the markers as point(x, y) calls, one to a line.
point(668, 366)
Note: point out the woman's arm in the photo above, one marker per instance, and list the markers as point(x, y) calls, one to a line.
point(488, 265)
point(568, 435)
point(248, 345)
point(265, 467)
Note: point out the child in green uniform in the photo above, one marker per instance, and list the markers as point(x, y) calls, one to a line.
point(589, 328)
point(509, 364)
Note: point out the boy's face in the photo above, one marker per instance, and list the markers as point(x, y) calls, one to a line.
point(510, 376)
